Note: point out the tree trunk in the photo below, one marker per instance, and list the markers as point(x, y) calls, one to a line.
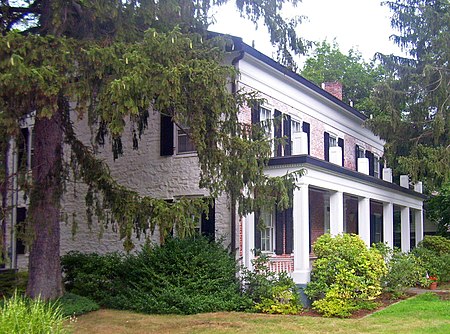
point(44, 261)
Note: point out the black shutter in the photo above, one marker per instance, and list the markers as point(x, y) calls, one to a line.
point(341, 145)
point(208, 227)
point(356, 156)
point(380, 169)
point(277, 132)
point(289, 225)
point(370, 156)
point(306, 129)
point(257, 232)
point(279, 231)
point(166, 142)
point(287, 135)
point(326, 146)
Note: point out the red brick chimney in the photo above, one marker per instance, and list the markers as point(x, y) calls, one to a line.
point(334, 88)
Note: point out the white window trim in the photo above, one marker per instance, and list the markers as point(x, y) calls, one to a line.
point(272, 234)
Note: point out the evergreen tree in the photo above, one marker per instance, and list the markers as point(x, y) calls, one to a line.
point(413, 113)
point(115, 59)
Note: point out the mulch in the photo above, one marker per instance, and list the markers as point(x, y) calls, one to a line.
point(383, 301)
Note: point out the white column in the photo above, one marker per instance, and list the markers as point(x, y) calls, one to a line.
point(249, 240)
point(301, 235)
point(418, 219)
point(364, 219)
point(388, 224)
point(336, 212)
point(405, 229)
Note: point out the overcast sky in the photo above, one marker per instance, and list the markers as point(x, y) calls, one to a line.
point(361, 24)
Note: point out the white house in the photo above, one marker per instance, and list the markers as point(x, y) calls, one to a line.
point(346, 188)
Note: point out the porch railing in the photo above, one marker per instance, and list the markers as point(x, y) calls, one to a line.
point(280, 264)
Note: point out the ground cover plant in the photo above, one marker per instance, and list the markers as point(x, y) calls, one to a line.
point(22, 315)
point(346, 276)
point(182, 276)
point(73, 305)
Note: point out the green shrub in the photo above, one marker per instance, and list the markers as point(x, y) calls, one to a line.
point(72, 304)
point(268, 291)
point(437, 244)
point(183, 276)
point(346, 276)
point(92, 275)
point(434, 264)
point(404, 270)
point(11, 281)
point(20, 315)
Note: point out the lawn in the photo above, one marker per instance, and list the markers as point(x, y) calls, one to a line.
point(421, 314)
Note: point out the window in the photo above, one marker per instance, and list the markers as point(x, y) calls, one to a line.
point(360, 153)
point(267, 233)
point(184, 142)
point(265, 118)
point(376, 166)
point(296, 127)
point(332, 141)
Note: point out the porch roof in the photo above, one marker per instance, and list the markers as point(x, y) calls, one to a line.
point(305, 160)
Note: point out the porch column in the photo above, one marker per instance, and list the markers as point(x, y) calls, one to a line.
point(249, 240)
point(336, 213)
point(301, 271)
point(418, 218)
point(405, 229)
point(388, 224)
point(364, 219)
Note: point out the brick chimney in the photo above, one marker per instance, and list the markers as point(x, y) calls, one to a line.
point(334, 88)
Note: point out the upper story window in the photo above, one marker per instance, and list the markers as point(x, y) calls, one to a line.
point(184, 143)
point(296, 126)
point(360, 152)
point(376, 166)
point(265, 117)
point(332, 140)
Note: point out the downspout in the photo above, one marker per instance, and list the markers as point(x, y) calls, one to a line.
point(14, 197)
point(234, 63)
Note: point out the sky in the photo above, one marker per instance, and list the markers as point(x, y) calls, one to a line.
point(360, 24)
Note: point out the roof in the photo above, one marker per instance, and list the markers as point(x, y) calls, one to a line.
point(308, 160)
point(297, 77)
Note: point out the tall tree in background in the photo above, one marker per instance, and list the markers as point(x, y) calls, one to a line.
point(413, 113)
point(115, 59)
point(358, 77)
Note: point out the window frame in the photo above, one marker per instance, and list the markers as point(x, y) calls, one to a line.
point(268, 233)
point(184, 132)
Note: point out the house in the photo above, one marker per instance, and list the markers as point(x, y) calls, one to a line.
point(346, 188)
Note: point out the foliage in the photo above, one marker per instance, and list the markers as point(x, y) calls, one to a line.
point(329, 64)
point(404, 270)
point(435, 243)
point(115, 61)
point(270, 292)
point(183, 276)
point(72, 305)
point(438, 210)
point(11, 281)
point(21, 315)
point(434, 254)
point(412, 104)
point(346, 276)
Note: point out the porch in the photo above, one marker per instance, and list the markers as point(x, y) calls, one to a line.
point(332, 199)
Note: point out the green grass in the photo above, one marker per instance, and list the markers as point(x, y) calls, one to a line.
point(21, 315)
point(422, 314)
